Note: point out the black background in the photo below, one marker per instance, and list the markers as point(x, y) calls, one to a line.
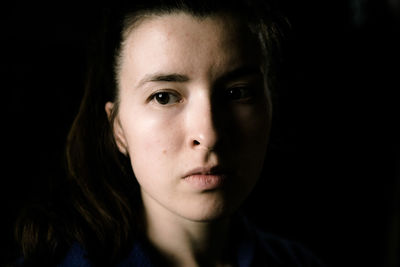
point(330, 176)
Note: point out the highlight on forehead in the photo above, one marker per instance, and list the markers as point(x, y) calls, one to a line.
point(134, 20)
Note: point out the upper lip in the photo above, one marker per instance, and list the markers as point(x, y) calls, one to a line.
point(206, 171)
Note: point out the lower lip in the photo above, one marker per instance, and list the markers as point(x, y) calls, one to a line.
point(206, 181)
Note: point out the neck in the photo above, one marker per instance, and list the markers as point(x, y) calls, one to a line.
point(183, 242)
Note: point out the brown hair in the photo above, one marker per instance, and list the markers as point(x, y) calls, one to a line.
point(100, 203)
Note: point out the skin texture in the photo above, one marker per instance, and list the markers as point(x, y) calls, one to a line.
point(191, 95)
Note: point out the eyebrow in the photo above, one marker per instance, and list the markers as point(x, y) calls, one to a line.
point(163, 77)
point(239, 73)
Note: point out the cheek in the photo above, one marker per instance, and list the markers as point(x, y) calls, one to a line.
point(252, 123)
point(151, 139)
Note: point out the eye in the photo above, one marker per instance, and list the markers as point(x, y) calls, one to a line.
point(165, 98)
point(239, 93)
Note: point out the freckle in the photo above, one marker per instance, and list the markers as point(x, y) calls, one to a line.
point(164, 151)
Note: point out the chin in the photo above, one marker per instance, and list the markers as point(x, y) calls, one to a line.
point(209, 211)
point(208, 218)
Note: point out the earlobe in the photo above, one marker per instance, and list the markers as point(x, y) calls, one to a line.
point(109, 108)
point(118, 131)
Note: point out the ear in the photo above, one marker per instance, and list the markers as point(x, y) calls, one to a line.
point(118, 132)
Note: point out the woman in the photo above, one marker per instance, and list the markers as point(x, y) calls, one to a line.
point(169, 141)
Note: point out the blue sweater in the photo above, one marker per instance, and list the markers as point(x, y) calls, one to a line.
point(251, 247)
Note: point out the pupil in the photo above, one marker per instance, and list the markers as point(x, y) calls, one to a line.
point(235, 93)
point(162, 98)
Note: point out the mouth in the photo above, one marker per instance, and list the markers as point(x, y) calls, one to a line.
point(205, 178)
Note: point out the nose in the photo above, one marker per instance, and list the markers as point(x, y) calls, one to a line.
point(200, 121)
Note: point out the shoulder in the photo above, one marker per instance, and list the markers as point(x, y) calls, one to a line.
point(76, 256)
point(273, 249)
point(287, 251)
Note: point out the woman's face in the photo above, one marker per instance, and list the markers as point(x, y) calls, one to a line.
point(193, 114)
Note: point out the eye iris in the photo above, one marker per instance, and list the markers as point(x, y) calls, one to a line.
point(162, 98)
point(236, 93)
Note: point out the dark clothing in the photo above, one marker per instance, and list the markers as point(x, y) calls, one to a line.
point(250, 247)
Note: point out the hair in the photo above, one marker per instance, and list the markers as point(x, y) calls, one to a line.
point(99, 205)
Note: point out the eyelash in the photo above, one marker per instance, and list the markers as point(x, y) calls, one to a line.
point(246, 93)
point(168, 94)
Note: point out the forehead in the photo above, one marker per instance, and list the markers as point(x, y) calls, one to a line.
point(180, 42)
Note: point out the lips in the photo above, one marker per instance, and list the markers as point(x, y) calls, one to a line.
point(205, 170)
point(206, 178)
